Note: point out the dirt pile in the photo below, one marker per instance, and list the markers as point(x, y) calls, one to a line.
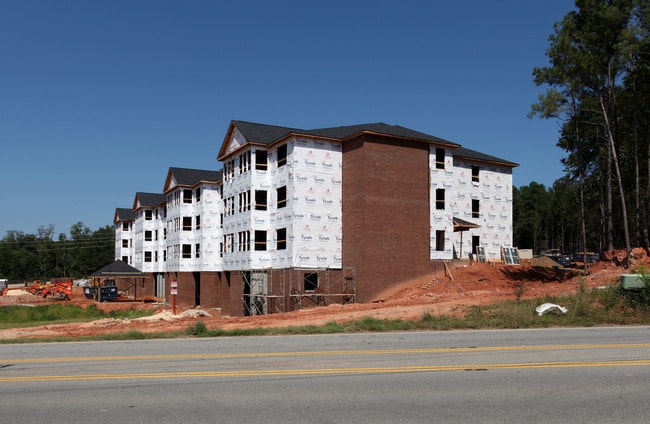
point(438, 293)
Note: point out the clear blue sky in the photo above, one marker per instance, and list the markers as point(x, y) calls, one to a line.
point(98, 98)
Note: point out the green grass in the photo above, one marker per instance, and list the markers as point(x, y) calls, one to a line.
point(34, 316)
point(586, 308)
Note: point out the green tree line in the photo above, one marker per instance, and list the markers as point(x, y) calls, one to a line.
point(598, 87)
point(28, 257)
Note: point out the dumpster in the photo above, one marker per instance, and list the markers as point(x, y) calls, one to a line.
point(105, 293)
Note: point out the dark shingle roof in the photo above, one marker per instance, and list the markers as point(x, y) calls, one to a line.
point(261, 133)
point(149, 200)
point(124, 214)
point(190, 177)
point(268, 134)
point(345, 132)
point(118, 269)
point(466, 153)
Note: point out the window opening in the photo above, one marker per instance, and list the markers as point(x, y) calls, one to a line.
point(260, 200)
point(440, 198)
point(282, 197)
point(310, 281)
point(282, 155)
point(244, 238)
point(260, 160)
point(187, 196)
point(260, 240)
point(475, 173)
point(281, 235)
point(440, 240)
point(187, 223)
point(475, 208)
point(245, 162)
point(440, 158)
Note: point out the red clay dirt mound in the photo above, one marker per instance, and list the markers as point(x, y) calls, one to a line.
point(441, 292)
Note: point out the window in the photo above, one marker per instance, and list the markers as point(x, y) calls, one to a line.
point(475, 208)
point(244, 238)
point(260, 160)
point(187, 223)
point(125, 226)
point(282, 197)
point(244, 201)
point(125, 259)
point(244, 162)
point(164, 256)
point(197, 222)
point(147, 215)
point(260, 200)
point(229, 170)
point(282, 155)
point(260, 240)
point(147, 236)
point(440, 158)
point(228, 243)
point(229, 206)
point(125, 243)
point(155, 256)
point(197, 253)
point(440, 198)
point(440, 240)
point(281, 235)
point(187, 251)
point(475, 170)
point(311, 281)
point(197, 194)
point(147, 256)
point(187, 196)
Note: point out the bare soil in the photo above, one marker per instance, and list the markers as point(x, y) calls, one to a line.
point(437, 294)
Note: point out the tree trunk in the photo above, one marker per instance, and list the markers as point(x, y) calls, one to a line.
point(614, 160)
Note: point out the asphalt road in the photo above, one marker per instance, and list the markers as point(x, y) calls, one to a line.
point(596, 375)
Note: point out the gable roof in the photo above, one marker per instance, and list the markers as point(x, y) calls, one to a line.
point(265, 135)
point(123, 214)
point(118, 269)
point(148, 200)
point(187, 177)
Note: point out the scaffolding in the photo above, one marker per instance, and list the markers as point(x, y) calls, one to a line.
point(272, 291)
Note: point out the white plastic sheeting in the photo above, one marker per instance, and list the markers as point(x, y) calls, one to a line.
point(493, 191)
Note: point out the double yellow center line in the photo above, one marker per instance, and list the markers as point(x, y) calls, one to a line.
point(325, 371)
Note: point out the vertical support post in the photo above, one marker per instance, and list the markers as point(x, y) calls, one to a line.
point(174, 291)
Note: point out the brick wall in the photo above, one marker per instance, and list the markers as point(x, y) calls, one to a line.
point(385, 212)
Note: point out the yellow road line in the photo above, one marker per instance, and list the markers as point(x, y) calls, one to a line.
point(324, 353)
point(326, 371)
